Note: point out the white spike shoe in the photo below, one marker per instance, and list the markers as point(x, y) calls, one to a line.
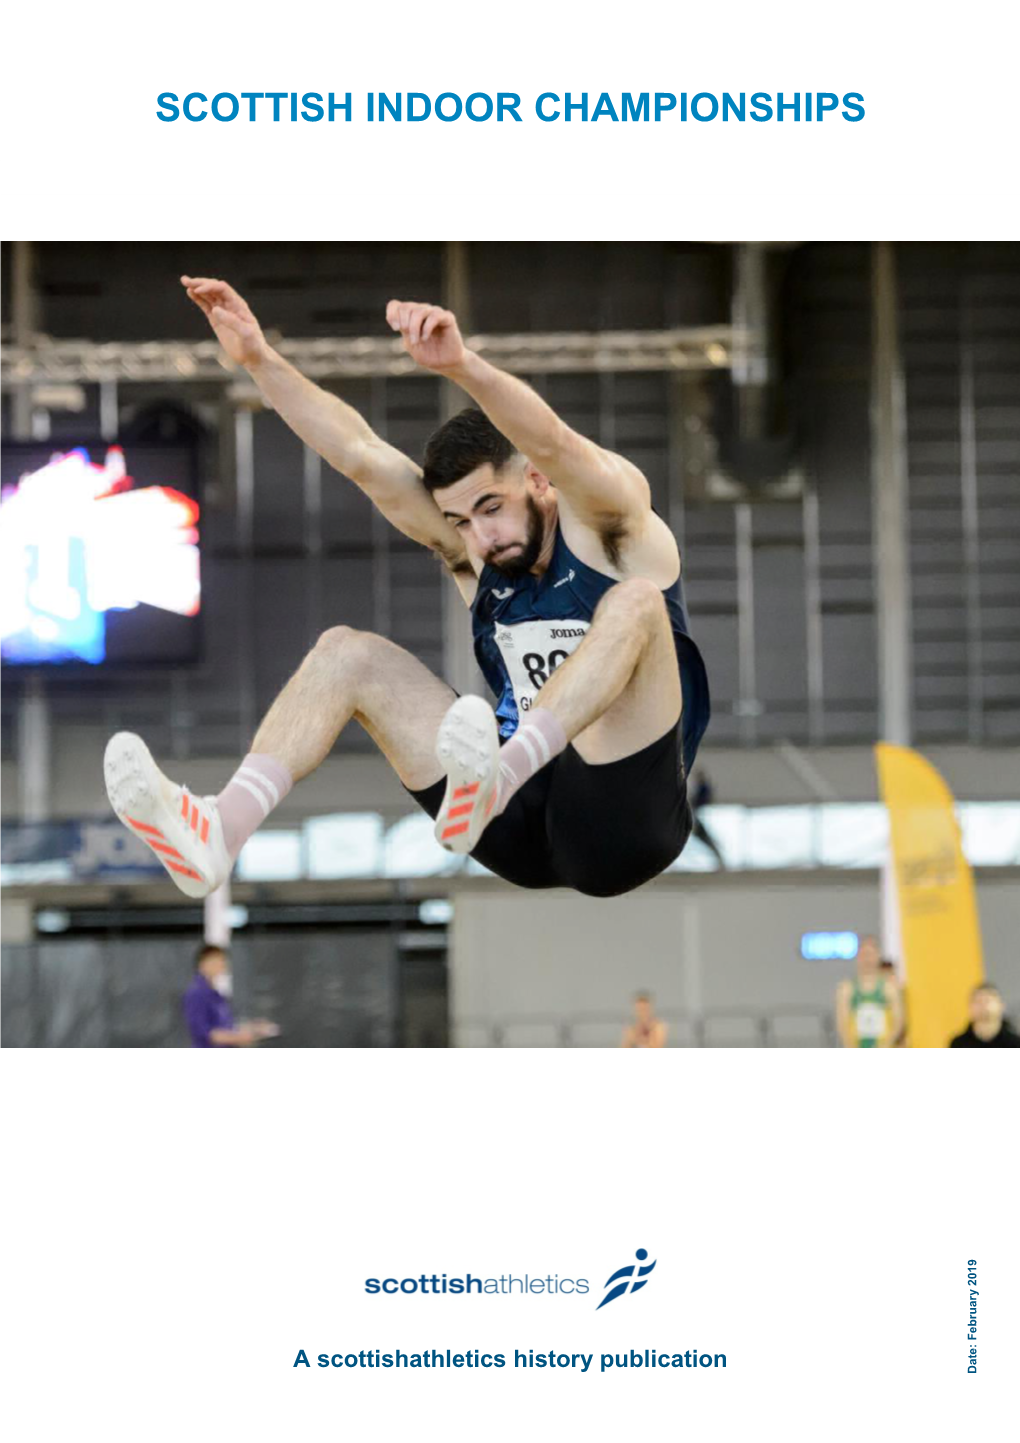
point(467, 749)
point(183, 831)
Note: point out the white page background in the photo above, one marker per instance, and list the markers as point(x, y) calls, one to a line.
point(178, 1226)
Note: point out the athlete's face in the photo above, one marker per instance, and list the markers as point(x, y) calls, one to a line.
point(213, 966)
point(986, 1007)
point(502, 515)
point(868, 957)
point(642, 1010)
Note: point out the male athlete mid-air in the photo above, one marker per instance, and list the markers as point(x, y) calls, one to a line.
point(579, 778)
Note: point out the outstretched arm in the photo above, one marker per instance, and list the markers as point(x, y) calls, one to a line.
point(596, 484)
point(328, 425)
point(233, 1037)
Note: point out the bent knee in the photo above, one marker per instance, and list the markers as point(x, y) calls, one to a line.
point(638, 598)
point(345, 645)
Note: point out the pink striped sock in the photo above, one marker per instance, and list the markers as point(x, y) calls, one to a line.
point(259, 784)
point(533, 745)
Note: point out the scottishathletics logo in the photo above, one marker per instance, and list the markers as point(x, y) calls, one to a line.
point(628, 1279)
point(433, 1283)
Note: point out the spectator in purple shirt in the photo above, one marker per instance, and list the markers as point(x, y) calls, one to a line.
point(207, 1009)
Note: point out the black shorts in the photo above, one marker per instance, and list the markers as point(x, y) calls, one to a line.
point(602, 830)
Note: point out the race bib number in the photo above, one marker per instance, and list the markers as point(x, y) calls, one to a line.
point(870, 1021)
point(531, 652)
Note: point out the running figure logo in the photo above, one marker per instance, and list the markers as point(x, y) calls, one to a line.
point(627, 1279)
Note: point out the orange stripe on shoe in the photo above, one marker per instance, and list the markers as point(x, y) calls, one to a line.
point(464, 810)
point(466, 791)
point(170, 851)
point(194, 818)
point(205, 829)
point(144, 827)
point(453, 831)
point(185, 871)
point(184, 805)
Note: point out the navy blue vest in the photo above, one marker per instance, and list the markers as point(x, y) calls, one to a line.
point(523, 628)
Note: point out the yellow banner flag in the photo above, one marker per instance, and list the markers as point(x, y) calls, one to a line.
point(934, 891)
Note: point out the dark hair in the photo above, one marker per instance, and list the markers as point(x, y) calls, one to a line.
point(208, 949)
point(463, 443)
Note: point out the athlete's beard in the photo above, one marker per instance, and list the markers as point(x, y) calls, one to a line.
point(521, 562)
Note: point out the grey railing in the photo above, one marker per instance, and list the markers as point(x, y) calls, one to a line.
point(714, 1027)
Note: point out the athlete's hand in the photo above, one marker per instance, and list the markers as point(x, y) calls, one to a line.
point(430, 334)
point(237, 330)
